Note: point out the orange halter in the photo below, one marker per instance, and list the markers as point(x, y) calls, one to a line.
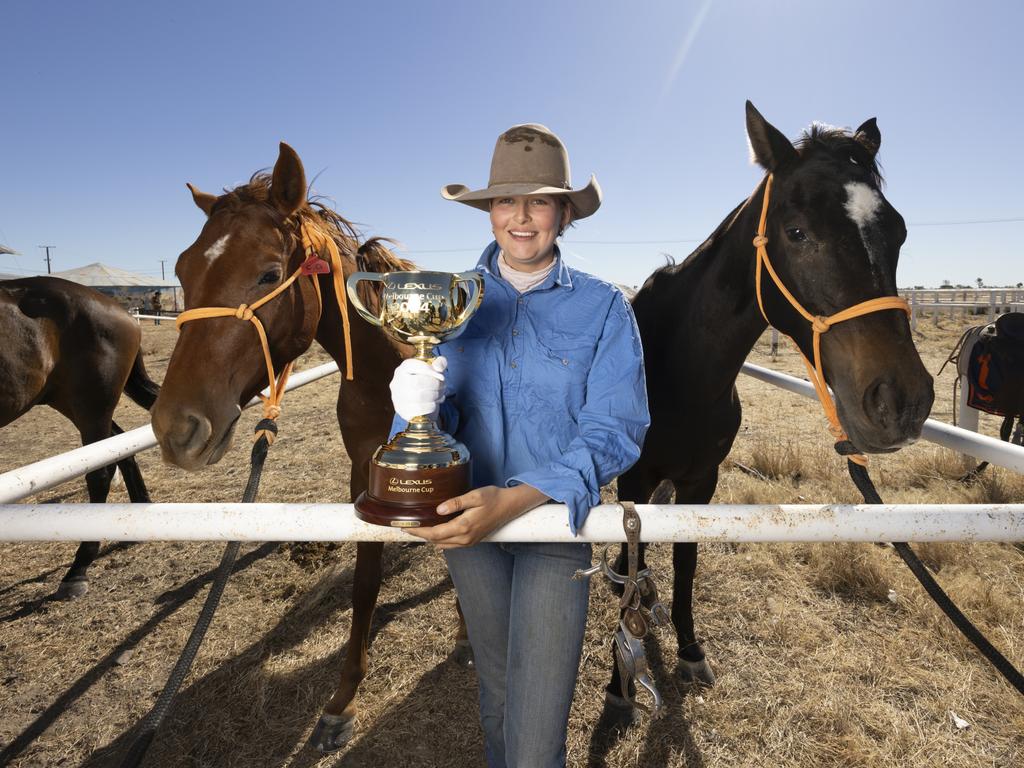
point(314, 240)
point(819, 323)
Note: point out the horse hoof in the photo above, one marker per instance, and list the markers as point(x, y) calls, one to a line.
point(462, 655)
point(332, 732)
point(621, 710)
point(69, 590)
point(696, 672)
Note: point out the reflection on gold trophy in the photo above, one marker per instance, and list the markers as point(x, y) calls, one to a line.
point(422, 466)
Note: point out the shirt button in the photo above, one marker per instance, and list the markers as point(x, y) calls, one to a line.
point(514, 364)
point(565, 361)
point(519, 300)
point(515, 331)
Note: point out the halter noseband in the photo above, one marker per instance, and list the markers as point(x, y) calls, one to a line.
point(819, 324)
point(314, 239)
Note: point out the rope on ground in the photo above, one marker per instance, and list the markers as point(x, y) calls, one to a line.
point(266, 429)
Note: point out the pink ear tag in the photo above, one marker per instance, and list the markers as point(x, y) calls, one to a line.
point(314, 265)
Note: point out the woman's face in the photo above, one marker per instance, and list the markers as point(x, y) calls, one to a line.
point(526, 226)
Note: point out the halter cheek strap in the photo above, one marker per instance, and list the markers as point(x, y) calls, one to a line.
point(819, 324)
point(314, 240)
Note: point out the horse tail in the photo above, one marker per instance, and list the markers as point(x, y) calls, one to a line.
point(139, 387)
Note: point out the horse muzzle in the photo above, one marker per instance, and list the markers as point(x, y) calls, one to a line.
point(190, 439)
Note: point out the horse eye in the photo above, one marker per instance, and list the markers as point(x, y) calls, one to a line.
point(272, 276)
point(795, 235)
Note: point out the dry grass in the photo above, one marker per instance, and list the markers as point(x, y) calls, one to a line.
point(826, 655)
point(777, 460)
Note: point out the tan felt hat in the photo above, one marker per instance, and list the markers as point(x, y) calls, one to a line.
point(529, 159)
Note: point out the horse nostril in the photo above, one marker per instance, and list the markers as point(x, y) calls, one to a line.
point(185, 435)
point(880, 402)
point(188, 432)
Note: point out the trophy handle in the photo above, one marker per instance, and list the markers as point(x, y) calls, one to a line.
point(353, 295)
point(475, 282)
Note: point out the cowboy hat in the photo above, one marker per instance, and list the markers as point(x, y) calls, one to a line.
point(529, 159)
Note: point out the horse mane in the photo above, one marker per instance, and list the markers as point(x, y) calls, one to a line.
point(370, 256)
point(839, 141)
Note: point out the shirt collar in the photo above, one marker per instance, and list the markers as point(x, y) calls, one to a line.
point(559, 276)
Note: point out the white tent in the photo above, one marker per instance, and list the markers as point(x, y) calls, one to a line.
point(131, 288)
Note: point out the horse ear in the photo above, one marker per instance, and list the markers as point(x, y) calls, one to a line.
point(869, 135)
point(204, 200)
point(288, 185)
point(769, 147)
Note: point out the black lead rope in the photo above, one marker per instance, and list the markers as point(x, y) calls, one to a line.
point(864, 484)
point(148, 728)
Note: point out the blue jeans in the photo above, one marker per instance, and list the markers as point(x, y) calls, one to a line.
point(525, 617)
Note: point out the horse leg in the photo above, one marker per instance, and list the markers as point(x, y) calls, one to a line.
point(693, 666)
point(76, 581)
point(462, 654)
point(132, 475)
point(337, 723)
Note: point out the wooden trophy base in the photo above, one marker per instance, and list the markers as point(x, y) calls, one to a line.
point(402, 498)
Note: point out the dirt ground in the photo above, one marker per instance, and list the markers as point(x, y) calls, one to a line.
point(826, 655)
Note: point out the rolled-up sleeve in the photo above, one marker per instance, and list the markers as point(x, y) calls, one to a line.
point(612, 422)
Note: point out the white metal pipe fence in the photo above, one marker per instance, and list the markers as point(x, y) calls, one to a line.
point(660, 522)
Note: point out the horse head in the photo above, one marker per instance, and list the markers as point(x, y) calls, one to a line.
point(249, 245)
point(834, 242)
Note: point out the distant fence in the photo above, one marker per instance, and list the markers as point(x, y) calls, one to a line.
point(155, 318)
point(986, 303)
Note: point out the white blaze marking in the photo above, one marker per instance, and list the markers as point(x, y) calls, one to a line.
point(217, 248)
point(862, 206)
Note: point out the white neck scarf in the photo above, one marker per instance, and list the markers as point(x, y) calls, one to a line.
point(523, 281)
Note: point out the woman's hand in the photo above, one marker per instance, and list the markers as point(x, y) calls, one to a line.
point(483, 510)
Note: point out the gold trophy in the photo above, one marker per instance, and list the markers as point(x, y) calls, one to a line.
point(422, 466)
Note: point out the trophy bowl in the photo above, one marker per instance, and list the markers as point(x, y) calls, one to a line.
point(421, 466)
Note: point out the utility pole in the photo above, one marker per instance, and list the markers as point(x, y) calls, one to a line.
point(48, 247)
point(162, 276)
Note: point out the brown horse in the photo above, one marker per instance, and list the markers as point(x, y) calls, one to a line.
point(834, 241)
point(251, 242)
point(75, 350)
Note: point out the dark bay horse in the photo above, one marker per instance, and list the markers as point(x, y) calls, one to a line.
point(834, 241)
point(250, 243)
point(75, 350)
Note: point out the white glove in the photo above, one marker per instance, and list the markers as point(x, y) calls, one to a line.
point(417, 388)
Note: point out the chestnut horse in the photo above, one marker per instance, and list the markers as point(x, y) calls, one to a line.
point(75, 350)
point(834, 241)
point(251, 243)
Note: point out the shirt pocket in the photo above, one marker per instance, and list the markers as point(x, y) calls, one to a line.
point(566, 361)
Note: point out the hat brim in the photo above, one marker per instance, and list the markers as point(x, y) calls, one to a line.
point(585, 201)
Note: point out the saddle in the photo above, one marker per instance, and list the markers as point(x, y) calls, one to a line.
point(995, 367)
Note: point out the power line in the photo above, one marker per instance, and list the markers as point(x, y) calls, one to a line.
point(674, 241)
point(953, 223)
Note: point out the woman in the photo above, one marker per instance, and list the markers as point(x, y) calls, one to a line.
point(545, 387)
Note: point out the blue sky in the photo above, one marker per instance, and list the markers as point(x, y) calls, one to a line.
point(108, 108)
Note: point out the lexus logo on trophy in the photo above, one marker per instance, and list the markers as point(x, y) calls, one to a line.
point(421, 466)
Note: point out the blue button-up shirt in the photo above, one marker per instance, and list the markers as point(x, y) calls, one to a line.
point(547, 388)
